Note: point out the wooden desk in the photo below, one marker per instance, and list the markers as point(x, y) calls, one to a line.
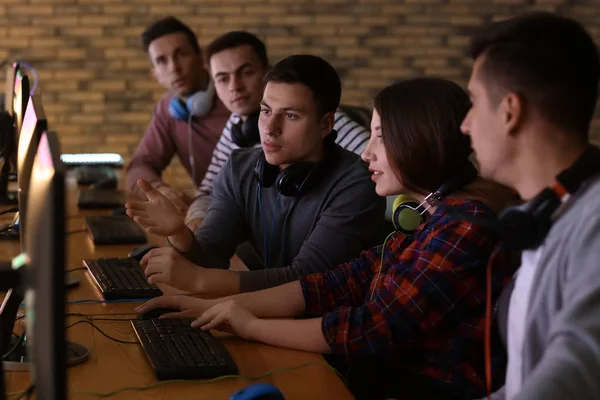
point(114, 365)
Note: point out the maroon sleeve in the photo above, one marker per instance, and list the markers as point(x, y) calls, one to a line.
point(155, 151)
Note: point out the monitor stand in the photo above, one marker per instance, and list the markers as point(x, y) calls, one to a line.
point(11, 234)
point(17, 361)
point(8, 198)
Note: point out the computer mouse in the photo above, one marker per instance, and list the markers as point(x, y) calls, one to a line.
point(71, 281)
point(108, 183)
point(141, 251)
point(258, 391)
point(119, 211)
point(157, 312)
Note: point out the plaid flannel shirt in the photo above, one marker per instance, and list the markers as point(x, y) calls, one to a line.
point(428, 309)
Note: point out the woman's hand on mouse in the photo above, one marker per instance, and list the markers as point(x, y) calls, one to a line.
point(228, 316)
point(189, 307)
point(158, 215)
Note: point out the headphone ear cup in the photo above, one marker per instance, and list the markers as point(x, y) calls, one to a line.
point(264, 172)
point(246, 133)
point(236, 134)
point(296, 179)
point(406, 215)
point(178, 109)
point(250, 131)
point(523, 230)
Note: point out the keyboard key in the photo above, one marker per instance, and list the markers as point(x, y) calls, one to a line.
point(177, 351)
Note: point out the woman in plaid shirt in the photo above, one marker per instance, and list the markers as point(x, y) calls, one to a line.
point(408, 316)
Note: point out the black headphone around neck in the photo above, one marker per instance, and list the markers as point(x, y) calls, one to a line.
point(408, 213)
point(298, 178)
point(527, 225)
point(245, 133)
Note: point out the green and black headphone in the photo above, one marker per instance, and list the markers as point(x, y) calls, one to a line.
point(408, 214)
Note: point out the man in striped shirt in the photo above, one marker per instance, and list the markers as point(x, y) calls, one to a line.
point(238, 61)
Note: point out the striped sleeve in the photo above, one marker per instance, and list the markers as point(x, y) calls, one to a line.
point(221, 154)
point(351, 135)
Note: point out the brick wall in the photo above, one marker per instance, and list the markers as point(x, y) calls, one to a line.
point(95, 80)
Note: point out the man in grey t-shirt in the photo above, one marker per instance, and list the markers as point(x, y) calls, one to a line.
point(534, 88)
point(304, 203)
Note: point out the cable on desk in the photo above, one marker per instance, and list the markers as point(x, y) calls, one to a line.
point(91, 317)
point(200, 382)
point(75, 231)
point(10, 210)
point(75, 269)
point(107, 301)
point(102, 301)
point(23, 394)
point(15, 346)
point(100, 330)
point(8, 228)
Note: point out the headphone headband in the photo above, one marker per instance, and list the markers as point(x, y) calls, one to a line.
point(299, 177)
point(408, 214)
point(526, 226)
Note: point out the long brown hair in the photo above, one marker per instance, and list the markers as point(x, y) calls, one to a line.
point(420, 124)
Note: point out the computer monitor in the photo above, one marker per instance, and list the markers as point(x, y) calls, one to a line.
point(37, 276)
point(45, 271)
point(9, 87)
point(8, 130)
point(34, 123)
point(20, 99)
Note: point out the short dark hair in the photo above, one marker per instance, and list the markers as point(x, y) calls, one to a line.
point(167, 26)
point(548, 59)
point(420, 125)
point(234, 39)
point(315, 73)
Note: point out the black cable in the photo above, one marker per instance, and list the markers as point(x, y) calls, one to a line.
point(75, 231)
point(10, 210)
point(18, 343)
point(91, 317)
point(101, 331)
point(75, 269)
point(7, 228)
point(27, 393)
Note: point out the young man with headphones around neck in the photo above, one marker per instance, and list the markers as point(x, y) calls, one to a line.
point(534, 88)
point(303, 202)
point(187, 121)
point(407, 314)
point(238, 61)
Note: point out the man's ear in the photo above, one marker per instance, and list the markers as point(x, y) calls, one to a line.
point(326, 125)
point(512, 108)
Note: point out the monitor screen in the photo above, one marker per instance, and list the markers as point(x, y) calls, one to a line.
point(9, 134)
point(44, 273)
point(20, 99)
point(9, 88)
point(34, 123)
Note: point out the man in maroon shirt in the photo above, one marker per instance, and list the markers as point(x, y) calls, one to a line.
point(187, 121)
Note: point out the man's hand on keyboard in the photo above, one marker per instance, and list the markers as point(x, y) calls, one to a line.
point(158, 215)
point(166, 265)
point(189, 307)
point(228, 316)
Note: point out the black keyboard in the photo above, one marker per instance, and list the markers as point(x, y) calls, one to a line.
point(86, 175)
point(178, 351)
point(120, 278)
point(100, 198)
point(109, 229)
